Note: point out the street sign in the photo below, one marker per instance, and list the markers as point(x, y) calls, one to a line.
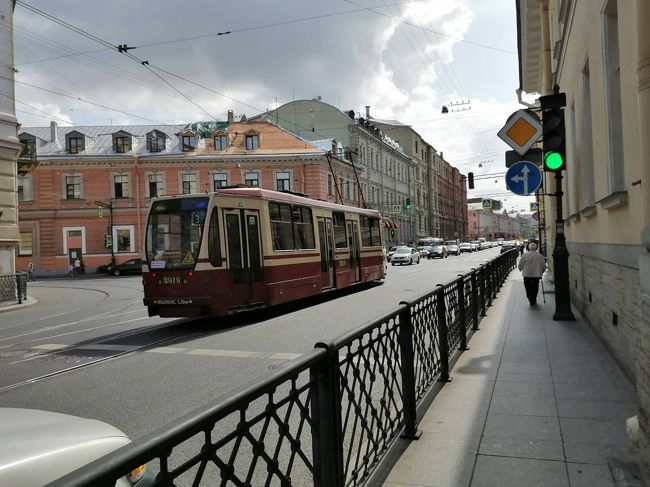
point(523, 178)
point(533, 155)
point(535, 216)
point(533, 206)
point(521, 131)
point(397, 209)
point(486, 203)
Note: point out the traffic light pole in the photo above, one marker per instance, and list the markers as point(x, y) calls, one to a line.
point(561, 261)
point(109, 207)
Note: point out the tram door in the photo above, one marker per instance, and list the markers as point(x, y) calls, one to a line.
point(245, 256)
point(355, 252)
point(327, 262)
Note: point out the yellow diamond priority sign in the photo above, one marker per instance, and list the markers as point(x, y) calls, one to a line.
point(521, 131)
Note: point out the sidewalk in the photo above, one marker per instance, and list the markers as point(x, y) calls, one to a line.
point(534, 402)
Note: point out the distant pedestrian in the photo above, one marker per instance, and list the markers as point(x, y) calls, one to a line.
point(71, 270)
point(30, 271)
point(77, 267)
point(532, 265)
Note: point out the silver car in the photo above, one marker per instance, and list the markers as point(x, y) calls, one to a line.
point(39, 447)
point(405, 255)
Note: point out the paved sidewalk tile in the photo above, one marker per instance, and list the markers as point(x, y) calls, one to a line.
point(534, 402)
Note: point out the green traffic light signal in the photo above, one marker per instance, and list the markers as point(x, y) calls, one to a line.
point(553, 161)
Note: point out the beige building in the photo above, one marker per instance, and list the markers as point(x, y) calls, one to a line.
point(9, 145)
point(598, 53)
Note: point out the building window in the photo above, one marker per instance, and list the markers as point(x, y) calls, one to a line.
point(24, 188)
point(252, 142)
point(189, 143)
point(121, 186)
point(219, 180)
point(616, 175)
point(29, 148)
point(75, 145)
point(122, 238)
point(73, 187)
point(252, 179)
point(586, 163)
point(155, 184)
point(156, 141)
point(26, 243)
point(330, 185)
point(220, 142)
point(283, 181)
point(189, 183)
point(122, 143)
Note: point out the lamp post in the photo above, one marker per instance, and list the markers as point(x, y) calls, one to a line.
point(109, 207)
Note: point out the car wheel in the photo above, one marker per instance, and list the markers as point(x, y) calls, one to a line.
point(393, 264)
point(116, 272)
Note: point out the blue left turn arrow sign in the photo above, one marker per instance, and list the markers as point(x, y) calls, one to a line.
point(523, 178)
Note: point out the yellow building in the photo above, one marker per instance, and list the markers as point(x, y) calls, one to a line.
point(598, 53)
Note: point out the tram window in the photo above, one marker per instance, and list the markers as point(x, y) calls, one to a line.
point(370, 234)
point(214, 239)
point(304, 227)
point(375, 233)
point(340, 237)
point(281, 226)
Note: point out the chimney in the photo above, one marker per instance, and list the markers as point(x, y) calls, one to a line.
point(231, 117)
point(367, 111)
point(53, 128)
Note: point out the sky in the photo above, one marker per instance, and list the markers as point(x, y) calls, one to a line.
point(198, 59)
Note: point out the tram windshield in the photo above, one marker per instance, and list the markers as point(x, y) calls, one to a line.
point(174, 232)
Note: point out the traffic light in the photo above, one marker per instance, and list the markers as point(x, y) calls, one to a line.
point(553, 132)
point(407, 205)
point(470, 180)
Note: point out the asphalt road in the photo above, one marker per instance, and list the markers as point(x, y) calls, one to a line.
point(88, 348)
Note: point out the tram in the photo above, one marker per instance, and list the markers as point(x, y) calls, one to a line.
point(239, 249)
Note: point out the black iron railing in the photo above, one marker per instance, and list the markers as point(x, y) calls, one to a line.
point(331, 416)
point(13, 287)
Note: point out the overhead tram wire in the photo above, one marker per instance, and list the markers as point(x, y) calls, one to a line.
point(122, 49)
point(442, 64)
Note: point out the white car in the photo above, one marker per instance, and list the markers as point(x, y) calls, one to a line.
point(405, 255)
point(465, 247)
point(38, 447)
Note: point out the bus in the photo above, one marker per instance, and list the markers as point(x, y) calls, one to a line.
point(239, 249)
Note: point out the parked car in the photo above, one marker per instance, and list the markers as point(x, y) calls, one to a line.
point(39, 447)
point(465, 247)
point(390, 253)
point(405, 255)
point(452, 247)
point(476, 245)
point(508, 245)
point(131, 266)
point(437, 252)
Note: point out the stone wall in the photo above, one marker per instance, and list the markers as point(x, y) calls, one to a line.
point(608, 297)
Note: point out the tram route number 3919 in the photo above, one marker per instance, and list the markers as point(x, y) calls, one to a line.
point(170, 280)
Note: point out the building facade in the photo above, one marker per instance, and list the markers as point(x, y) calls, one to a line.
point(9, 145)
point(598, 53)
point(89, 195)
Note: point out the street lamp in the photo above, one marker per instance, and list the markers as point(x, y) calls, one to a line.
point(109, 207)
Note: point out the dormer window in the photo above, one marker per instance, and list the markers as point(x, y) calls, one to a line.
point(121, 142)
point(252, 141)
point(221, 141)
point(188, 140)
point(155, 141)
point(75, 142)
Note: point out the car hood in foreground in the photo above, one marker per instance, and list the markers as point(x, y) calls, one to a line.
point(40, 446)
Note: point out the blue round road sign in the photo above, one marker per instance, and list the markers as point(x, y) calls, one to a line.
point(523, 178)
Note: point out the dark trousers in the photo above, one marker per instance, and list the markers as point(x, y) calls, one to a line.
point(532, 287)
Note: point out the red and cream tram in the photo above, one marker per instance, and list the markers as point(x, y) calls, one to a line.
point(245, 248)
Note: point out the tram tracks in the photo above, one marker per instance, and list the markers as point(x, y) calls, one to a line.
point(183, 334)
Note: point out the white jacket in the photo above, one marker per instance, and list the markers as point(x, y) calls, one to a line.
point(532, 264)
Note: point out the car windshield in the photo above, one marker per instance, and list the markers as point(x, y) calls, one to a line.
point(403, 250)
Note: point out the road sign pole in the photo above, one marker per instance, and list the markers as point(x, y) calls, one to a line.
point(561, 261)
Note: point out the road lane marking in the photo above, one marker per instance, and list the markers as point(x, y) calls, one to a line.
point(223, 353)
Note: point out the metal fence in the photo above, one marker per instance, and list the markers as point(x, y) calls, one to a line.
point(330, 417)
point(13, 287)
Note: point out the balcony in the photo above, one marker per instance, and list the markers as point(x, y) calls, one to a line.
point(27, 160)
